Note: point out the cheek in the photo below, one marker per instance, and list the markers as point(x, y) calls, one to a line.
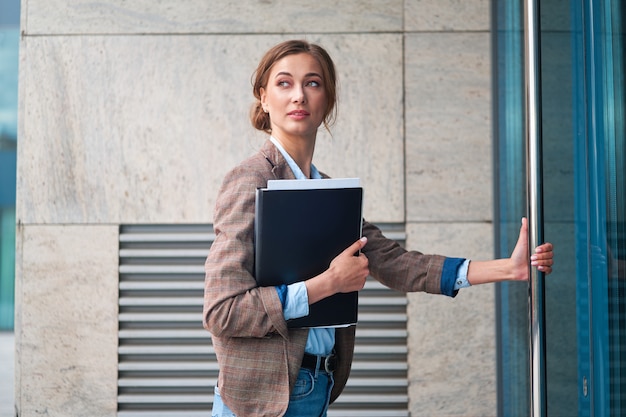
point(275, 98)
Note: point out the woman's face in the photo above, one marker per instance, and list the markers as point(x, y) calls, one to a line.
point(295, 97)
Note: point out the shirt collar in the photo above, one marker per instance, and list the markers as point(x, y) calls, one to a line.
point(297, 172)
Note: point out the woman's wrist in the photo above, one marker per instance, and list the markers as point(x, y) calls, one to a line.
point(319, 287)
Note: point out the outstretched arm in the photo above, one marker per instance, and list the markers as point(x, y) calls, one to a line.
point(514, 268)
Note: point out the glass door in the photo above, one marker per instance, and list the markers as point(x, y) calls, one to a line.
point(9, 43)
point(583, 129)
point(600, 208)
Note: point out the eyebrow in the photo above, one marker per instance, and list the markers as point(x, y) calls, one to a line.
point(310, 74)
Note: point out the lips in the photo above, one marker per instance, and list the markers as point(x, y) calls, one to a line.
point(298, 113)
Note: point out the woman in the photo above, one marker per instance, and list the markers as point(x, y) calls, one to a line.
point(267, 369)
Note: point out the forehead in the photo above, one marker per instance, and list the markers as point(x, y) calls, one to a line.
point(296, 64)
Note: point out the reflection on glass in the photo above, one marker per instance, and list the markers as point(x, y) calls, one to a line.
point(613, 48)
point(9, 44)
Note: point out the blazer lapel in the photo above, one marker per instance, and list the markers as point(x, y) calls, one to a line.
point(280, 167)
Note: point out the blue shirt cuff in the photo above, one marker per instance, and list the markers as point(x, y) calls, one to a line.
point(449, 276)
point(294, 299)
point(461, 276)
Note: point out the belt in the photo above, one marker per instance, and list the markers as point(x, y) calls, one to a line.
point(324, 363)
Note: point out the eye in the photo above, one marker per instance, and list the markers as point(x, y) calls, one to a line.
point(314, 83)
point(282, 83)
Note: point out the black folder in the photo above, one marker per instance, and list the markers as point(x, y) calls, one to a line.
point(298, 232)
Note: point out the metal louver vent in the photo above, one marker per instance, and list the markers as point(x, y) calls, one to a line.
point(167, 365)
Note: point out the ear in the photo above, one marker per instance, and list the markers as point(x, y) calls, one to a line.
point(263, 95)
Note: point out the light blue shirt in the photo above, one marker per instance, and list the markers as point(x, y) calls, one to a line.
point(295, 298)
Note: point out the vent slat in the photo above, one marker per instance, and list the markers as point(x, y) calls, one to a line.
point(167, 364)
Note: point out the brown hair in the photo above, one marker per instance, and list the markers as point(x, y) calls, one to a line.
point(261, 120)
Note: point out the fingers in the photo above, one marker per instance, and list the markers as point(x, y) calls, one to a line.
point(545, 269)
point(520, 250)
point(524, 223)
point(356, 246)
point(523, 233)
point(543, 258)
point(546, 247)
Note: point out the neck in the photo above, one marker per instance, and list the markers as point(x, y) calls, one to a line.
point(301, 150)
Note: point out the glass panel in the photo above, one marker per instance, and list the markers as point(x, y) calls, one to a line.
point(558, 177)
point(611, 65)
point(558, 187)
point(512, 298)
point(583, 107)
point(9, 44)
point(602, 211)
point(7, 267)
point(582, 260)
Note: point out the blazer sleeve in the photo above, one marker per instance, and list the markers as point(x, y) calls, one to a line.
point(233, 304)
point(407, 271)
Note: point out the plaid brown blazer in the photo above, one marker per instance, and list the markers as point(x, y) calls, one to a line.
point(258, 356)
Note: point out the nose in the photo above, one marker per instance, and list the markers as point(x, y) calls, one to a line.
point(298, 95)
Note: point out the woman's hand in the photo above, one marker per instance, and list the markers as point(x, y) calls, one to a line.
point(346, 273)
point(542, 258)
point(514, 268)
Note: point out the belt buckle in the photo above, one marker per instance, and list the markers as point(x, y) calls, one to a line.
point(330, 363)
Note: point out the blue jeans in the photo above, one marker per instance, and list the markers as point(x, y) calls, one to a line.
point(219, 408)
point(310, 396)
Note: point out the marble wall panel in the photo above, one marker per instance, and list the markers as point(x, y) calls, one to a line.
point(66, 329)
point(448, 127)
point(447, 15)
point(216, 16)
point(452, 349)
point(367, 140)
point(141, 129)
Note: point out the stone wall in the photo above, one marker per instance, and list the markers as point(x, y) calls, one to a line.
point(131, 112)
